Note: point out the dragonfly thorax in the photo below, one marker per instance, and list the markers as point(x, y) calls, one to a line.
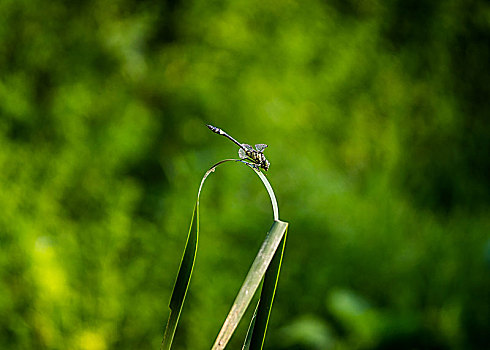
point(255, 155)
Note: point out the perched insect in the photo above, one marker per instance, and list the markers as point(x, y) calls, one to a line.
point(253, 157)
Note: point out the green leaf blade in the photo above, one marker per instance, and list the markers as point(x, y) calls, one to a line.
point(261, 319)
point(252, 281)
point(183, 279)
point(267, 253)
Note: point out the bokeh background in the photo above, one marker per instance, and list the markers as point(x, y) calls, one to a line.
point(377, 118)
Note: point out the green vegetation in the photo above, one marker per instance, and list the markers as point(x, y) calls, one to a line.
point(376, 117)
point(265, 268)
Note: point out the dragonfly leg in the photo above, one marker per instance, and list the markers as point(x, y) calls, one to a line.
point(253, 165)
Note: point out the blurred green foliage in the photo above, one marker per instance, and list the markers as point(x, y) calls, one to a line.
point(376, 114)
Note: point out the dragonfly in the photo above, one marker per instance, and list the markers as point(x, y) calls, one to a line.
point(249, 155)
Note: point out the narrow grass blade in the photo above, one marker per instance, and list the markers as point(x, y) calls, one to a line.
point(251, 326)
point(270, 191)
point(261, 318)
point(256, 272)
point(254, 277)
point(186, 266)
point(182, 281)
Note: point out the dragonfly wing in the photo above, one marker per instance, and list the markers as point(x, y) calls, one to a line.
point(247, 147)
point(260, 147)
point(242, 154)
